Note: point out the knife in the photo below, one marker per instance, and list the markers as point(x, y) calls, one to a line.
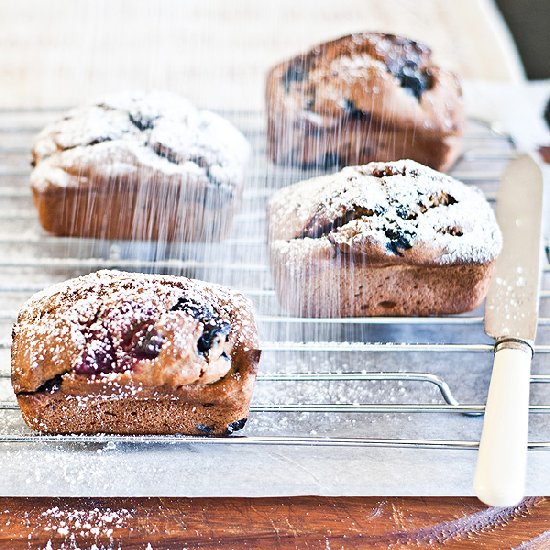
point(511, 316)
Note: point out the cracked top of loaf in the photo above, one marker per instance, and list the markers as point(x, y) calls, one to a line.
point(138, 136)
point(119, 329)
point(387, 78)
point(387, 213)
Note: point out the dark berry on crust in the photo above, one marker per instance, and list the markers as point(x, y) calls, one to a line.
point(199, 160)
point(547, 113)
point(405, 214)
point(203, 428)
point(193, 307)
point(97, 140)
point(165, 153)
point(296, 72)
point(399, 240)
point(51, 386)
point(412, 77)
point(235, 426)
point(407, 68)
point(99, 357)
point(212, 332)
point(142, 122)
point(150, 345)
point(351, 111)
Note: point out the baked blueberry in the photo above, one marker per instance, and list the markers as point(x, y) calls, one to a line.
point(99, 357)
point(215, 334)
point(351, 110)
point(193, 307)
point(411, 77)
point(296, 72)
point(150, 345)
point(142, 122)
point(235, 426)
point(399, 240)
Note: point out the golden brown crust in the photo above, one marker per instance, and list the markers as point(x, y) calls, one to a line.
point(349, 102)
point(164, 415)
point(83, 406)
point(148, 211)
point(340, 287)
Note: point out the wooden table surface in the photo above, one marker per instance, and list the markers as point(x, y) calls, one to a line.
point(301, 522)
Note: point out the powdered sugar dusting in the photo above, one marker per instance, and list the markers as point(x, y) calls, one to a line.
point(400, 212)
point(160, 134)
point(131, 328)
point(85, 522)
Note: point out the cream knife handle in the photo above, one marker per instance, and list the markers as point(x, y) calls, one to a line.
point(502, 459)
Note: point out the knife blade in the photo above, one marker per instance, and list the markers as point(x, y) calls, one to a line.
point(511, 317)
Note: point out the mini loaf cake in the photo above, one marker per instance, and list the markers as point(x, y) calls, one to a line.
point(393, 238)
point(129, 353)
point(139, 166)
point(364, 97)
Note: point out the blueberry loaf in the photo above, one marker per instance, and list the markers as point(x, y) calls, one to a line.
point(393, 238)
point(139, 166)
point(115, 352)
point(364, 97)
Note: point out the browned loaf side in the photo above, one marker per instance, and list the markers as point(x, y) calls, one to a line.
point(388, 239)
point(364, 97)
point(139, 166)
point(115, 352)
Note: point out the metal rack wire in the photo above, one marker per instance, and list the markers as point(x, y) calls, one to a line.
point(318, 356)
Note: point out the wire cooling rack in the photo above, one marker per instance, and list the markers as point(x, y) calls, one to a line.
point(390, 382)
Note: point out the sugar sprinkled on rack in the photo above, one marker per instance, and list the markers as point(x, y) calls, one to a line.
point(466, 381)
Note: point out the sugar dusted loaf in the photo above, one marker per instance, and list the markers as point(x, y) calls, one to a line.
point(393, 239)
point(136, 354)
point(364, 97)
point(139, 166)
